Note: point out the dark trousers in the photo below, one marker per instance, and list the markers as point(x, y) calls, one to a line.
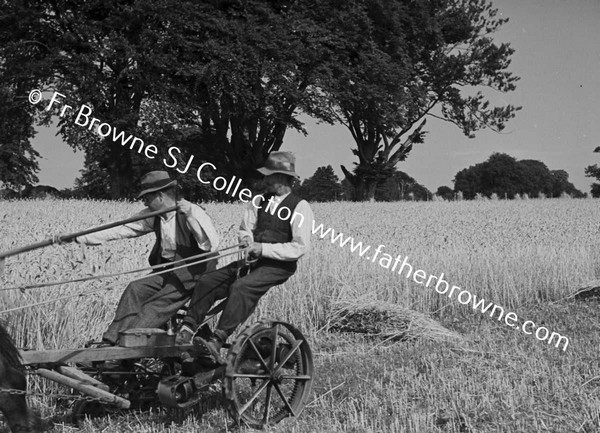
point(150, 302)
point(242, 294)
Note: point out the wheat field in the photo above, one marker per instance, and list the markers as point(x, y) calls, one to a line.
point(527, 256)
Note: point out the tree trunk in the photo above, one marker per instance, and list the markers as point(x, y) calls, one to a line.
point(371, 186)
point(364, 189)
point(121, 178)
point(115, 182)
point(359, 191)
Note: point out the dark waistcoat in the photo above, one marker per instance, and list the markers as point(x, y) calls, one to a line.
point(185, 246)
point(270, 229)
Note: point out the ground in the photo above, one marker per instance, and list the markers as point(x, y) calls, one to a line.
point(526, 256)
point(498, 380)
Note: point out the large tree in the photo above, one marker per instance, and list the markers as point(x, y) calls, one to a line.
point(403, 60)
point(261, 59)
point(107, 55)
point(18, 159)
point(237, 72)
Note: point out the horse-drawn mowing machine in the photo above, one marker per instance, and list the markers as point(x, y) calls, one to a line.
point(266, 374)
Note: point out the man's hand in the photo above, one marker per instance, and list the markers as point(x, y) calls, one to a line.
point(255, 250)
point(245, 242)
point(185, 207)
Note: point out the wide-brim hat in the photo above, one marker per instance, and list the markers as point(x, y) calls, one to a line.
point(155, 181)
point(280, 162)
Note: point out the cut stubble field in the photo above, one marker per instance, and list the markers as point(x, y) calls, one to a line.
point(528, 256)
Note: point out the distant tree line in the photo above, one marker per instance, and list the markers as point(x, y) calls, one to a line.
point(501, 176)
point(324, 186)
point(506, 177)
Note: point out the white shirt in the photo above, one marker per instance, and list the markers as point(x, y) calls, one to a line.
point(301, 229)
point(199, 223)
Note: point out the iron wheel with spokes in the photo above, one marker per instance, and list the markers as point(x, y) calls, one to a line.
point(269, 374)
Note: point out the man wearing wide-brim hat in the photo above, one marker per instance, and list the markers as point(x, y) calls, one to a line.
point(151, 301)
point(277, 234)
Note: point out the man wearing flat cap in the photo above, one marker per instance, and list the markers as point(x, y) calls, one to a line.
point(274, 237)
point(151, 301)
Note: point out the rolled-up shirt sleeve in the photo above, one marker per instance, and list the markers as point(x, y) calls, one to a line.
point(203, 229)
point(248, 224)
point(301, 233)
point(129, 230)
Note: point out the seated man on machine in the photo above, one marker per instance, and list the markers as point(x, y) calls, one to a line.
point(277, 234)
point(151, 301)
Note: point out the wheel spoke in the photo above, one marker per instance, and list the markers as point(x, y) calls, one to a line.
point(301, 377)
point(251, 376)
point(256, 394)
point(273, 348)
point(266, 384)
point(267, 404)
point(260, 358)
point(285, 400)
point(286, 358)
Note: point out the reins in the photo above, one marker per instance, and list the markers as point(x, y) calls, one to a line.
point(116, 274)
point(189, 261)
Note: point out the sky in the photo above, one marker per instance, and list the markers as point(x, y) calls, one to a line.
point(557, 56)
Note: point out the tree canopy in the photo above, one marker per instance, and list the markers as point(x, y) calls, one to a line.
point(503, 175)
point(232, 73)
point(445, 192)
point(593, 171)
point(225, 79)
point(401, 186)
point(401, 61)
point(18, 159)
point(322, 186)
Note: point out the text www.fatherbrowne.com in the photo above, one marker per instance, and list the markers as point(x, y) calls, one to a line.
point(442, 286)
point(104, 130)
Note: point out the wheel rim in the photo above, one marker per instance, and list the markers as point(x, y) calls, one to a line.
point(267, 382)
